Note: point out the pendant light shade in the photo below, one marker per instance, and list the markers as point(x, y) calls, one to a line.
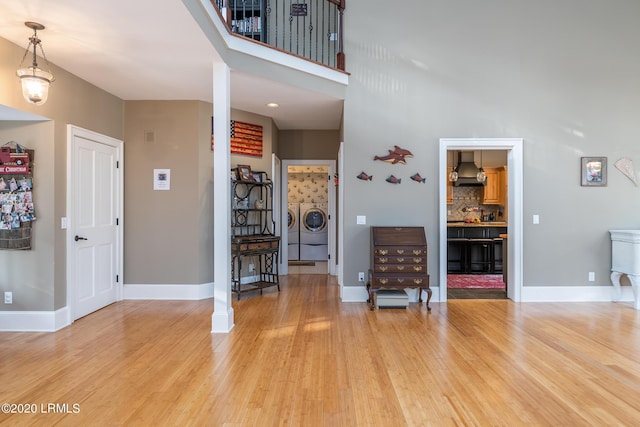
point(481, 175)
point(453, 175)
point(35, 81)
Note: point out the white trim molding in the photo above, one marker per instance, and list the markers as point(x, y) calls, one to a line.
point(574, 294)
point(34, 321)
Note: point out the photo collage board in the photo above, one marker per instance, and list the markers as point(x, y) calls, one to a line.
point(17, 209)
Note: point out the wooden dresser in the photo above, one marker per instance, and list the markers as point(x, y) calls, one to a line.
point(398, 261)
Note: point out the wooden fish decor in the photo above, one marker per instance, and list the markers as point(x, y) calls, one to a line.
point(397, 155)
point(417, 178)
point(393, 180)
point(363, 176)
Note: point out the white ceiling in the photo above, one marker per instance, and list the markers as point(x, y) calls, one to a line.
point(152, 50)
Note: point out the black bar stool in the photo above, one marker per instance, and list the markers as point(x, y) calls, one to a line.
point(481, 256)
point(457, 255)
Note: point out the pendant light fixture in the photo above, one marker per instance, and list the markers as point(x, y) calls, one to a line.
point(453, 175)
point(35, 81)
point(481, 176)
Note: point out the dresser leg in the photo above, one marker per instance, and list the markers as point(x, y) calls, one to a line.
point(429, 293)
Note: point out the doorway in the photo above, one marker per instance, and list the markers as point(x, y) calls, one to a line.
point(476, 223)
point(95, 220)
point(308, 209)
point(511, 256)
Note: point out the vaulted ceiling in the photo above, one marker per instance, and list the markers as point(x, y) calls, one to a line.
point(153, 50)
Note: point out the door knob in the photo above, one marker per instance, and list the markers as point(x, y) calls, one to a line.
point(79, 238)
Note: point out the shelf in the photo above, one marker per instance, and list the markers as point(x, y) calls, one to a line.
point(253, 240)
point(255, 286)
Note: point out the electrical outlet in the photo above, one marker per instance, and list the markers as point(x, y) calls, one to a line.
point(361, 276)
point(592, 276)
point(252, 267)
point(8, 297)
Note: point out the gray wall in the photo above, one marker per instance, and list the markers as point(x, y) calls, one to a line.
point(308, 144)
point(28, 273)
point(561, 75)
point(71, 101)
point(165, 240)
point(169, 234)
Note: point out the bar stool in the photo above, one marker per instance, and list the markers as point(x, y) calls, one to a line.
point(481, 255)
point(457, 250)
point(497, 254)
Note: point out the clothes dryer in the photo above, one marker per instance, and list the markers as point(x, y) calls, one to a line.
point(293, 215)
point(314, 231)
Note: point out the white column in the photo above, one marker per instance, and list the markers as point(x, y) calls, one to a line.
point(222, 317)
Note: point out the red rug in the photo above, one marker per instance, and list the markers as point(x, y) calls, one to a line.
point(475, 281)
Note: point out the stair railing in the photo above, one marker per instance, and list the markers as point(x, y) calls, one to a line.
point(310, 29)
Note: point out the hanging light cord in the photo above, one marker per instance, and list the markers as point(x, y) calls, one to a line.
point(35, 41)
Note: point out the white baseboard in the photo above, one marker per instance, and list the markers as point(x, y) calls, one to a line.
point(34, 321)
point(354, 294)
point(168, 292)
point(51, 321)
point(573, 294)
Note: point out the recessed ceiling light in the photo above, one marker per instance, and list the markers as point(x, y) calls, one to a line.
point(273, 105)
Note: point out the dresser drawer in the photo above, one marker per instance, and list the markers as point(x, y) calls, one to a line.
point(400, 268)
point(400, 251)
point(406, 260)
point(399, 281)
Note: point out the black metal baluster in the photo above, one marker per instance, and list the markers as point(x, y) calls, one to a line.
point(290, 28)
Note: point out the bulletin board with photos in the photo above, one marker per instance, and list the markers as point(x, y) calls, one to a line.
point(17, 209)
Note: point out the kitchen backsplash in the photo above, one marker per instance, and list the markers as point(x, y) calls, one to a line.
point(466, 205)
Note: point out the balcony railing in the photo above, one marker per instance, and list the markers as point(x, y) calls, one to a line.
point(312, 30)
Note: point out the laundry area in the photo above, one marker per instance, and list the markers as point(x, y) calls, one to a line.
point(308, 207)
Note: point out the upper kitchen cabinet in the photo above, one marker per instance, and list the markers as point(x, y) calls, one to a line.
point(495, 191)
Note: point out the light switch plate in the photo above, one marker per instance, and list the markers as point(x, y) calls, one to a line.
point(361, 219)
point(536, 219)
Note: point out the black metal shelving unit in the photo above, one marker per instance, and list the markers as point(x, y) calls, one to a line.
point(253, 235)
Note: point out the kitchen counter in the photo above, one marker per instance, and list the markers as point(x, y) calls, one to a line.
point(477, 224)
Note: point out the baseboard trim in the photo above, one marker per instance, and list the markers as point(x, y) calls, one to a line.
point(168, 292)
point(34, 321)
point(574, 294)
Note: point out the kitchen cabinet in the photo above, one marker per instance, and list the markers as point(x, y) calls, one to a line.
point(504, 191)
point(492, 194)
point(475, 249)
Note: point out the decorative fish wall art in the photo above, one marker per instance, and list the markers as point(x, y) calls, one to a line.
point(393, 180)
point(417, 178)
point(363, 176)
point(397, 155)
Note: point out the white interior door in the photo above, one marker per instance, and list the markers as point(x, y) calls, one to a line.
point(94, 238)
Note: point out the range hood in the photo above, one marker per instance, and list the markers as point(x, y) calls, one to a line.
point(467, 171)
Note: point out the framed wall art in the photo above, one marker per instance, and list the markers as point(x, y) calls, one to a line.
point(593, 171)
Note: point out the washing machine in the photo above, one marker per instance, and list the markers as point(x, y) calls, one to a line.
point(314, 232)
point(293, 215)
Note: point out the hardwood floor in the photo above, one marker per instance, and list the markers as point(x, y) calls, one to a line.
point(302, 358)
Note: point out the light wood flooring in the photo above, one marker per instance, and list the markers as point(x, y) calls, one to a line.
point(302, 358)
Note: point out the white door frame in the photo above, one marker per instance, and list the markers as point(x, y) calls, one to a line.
point(284, 238)
point(514, 147)
point(72, 132)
